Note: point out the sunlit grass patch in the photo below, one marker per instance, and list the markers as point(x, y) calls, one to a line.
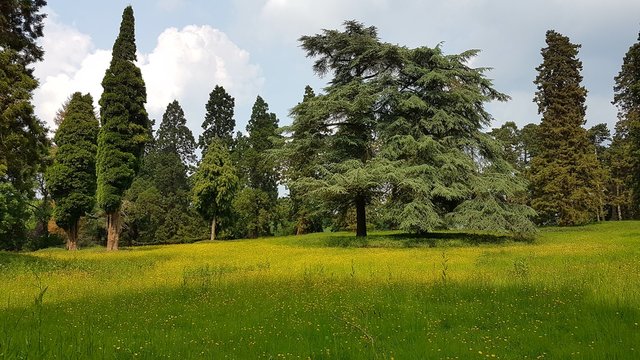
point(572, 293)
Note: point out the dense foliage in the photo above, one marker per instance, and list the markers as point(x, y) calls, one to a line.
point(627, 99)
point(404, 125)
point(174, 136)
point(20, 27)
point(218, 121)
point(565, 183)
point(157, 207)
point(124, 129)
point(23, 141)
point(214, 184)
point(72, 177)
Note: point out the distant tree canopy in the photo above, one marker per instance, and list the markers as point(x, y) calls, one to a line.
point(404, 124)
point(564, 175)
point(125, 127)
point(72, 177)
point(157, 206)
point(174, 136)
point(262, 128)
point(218, 121)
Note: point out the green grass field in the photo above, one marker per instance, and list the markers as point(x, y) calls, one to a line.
point(573, 293)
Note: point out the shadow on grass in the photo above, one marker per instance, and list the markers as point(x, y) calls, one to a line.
point(11, 260)
point(431, 240)
point(162, 322)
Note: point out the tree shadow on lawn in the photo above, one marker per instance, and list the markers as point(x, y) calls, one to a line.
point(20, 262)
point(184, 321)
point(431, 240)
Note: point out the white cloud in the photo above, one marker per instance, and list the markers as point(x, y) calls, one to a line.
point(56, 87)
point(71, 64)
point(186, 64)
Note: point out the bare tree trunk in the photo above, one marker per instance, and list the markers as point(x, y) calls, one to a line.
point(618, 201)
point(72, 237)
point(361, 217)
point(113, 230)
point(619, 213)
point(213, 229)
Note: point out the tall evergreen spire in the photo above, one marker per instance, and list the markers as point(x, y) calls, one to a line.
point(564, 175)
point(627, 100)
point(125, 46)
point(125, 127)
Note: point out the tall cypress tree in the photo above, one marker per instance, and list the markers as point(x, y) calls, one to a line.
point(627, 99)
point(125, 127)
point(218, 121)
point(72, 177)
point(564, 173)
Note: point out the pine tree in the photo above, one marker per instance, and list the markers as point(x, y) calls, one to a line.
point(21, 26)
point(301, 156)
point(174, 136)
point(218, 121)
point(619, 160)
point(564, 174)
point(262, 128)
point(215, 184)
point(72, 177)
point(125, 127)
point(627, 99)
point(23, 142)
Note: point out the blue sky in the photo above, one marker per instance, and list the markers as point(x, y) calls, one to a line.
point(250, 46)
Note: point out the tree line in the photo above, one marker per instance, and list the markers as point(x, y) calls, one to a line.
point(395, 141)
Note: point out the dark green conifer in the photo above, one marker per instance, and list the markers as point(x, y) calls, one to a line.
point(564, 173)
point(125, 127)
point(23, 141)
point(301, 156)
point(174, 136)
point(218, 121)
point(215, 184)
point(72, 177)
point(262, 129)
point(403, 126)
point(627, 99)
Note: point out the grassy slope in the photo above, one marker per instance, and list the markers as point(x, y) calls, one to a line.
point(574, 292)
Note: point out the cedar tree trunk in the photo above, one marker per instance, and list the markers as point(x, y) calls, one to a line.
point(72, 237)
point(361, 217)
point(113, 230)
